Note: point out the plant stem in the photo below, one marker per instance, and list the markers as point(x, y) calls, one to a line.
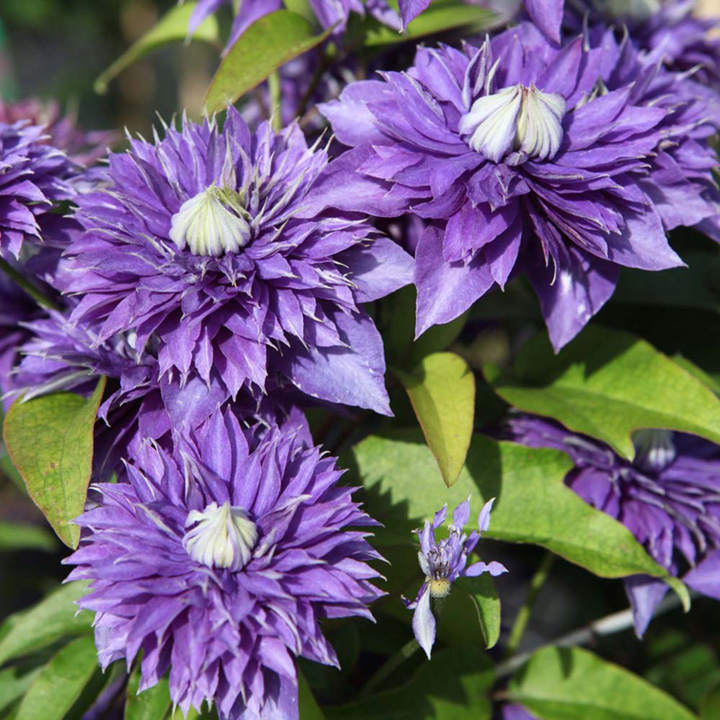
point(34, 292)
point(392, 664)
point(608, 625)
point(523, 616)
point(275, 97)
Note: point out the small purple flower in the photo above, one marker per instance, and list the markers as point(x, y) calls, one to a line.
point(444, 562)
point(330, 14)
point(215, 249)
point(34, 177)
point(566, 163)
point(668, 497)
point(219, 560)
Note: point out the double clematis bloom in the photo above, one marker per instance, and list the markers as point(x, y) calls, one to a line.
point(218, 559)
point(214, 249)
point(668, 497)
point(444, 562)
point(565, 163)
point(34, 178)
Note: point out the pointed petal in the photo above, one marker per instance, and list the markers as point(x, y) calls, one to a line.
point(423, 623)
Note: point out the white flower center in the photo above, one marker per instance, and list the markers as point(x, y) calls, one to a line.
point(211, 223)
point(654, 449)
point(635, 9)
point(515, 118)
point(220, 537)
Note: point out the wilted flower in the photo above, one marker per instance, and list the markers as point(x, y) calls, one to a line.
point(668, 497)
point(34, 177)
point(444, 562)
point(330, 13)
point(567, 163)
point(215, 249)
point(218, 560)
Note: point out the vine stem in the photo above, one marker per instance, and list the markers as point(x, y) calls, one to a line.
point(275, 100)
point(22, 282)
point(392, 664)
point(608, 625)
point(523, 616)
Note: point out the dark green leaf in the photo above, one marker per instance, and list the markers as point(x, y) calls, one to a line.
point(607, 384)
point(50, 441)
point(710, 705)
point(59, 684)
point(173, 27)
point(52, 618)
point(533, 503)
point(267, 44)
point(574, 684)
point(454, 685)
point(150, 704)
point(442, 393)
point(309, 709)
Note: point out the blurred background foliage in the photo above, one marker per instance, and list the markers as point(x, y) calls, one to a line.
point(57, 48)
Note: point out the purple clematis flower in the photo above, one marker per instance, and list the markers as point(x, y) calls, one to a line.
point(566, 163)
point(444, 562)
point(218, 560)
point(83, 148)
point(668, 497)
point(510, 711)
point(330, 14)
point(35, 177)
point(214, 248)
point(667, 30)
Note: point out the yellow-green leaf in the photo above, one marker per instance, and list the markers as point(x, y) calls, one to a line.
point(442, 393)
point(172, 27)
point(50, 441)
point(267, 44)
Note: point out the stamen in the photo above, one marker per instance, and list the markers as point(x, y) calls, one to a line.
point(654, 449)
point(220, 537)
point(211, 223)
point(515, 118)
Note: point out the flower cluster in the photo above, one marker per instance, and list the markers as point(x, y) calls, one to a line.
point(668, 497)
point(223, 276)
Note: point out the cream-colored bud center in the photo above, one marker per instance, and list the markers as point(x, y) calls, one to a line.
point(516, 118)
point(220, 536)
point(654, 449)
point(211, 223)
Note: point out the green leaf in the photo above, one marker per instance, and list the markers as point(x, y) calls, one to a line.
point(453, 685)
point(13, 684)
point(533, 505)
point(439, 17)
point(26, 537)
point(487, 603)
point(267, 44)
point(59, 684)
point(50, 441)
point(442, 393)
point(710, 705)
point(52, 618)
point(607, 384)
point(308, 707)
point(150, 704)
point(570, 683)
point(172, 27)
